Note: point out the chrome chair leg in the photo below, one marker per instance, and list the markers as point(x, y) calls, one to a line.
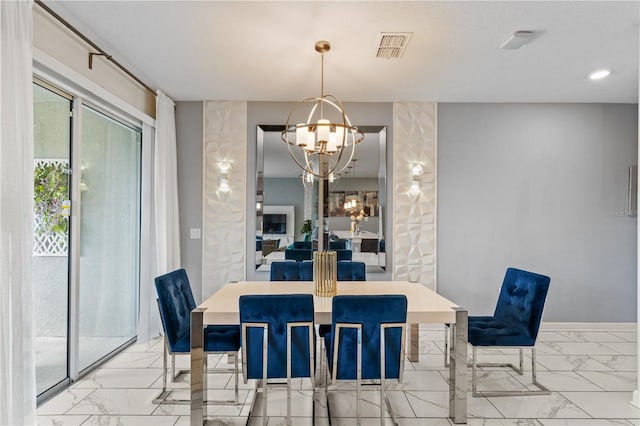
point(204, 385)
point(383, 373)
point(474, 365)
point(289, 374)
point(326, 387)
point(175, 374)
point(163, 396)
point(235, 376)
point(359, 373)
point(259, 383)
point(447, 332)
point(164, 393)
point(173, 368)
point(542, 390)
point(265, 351)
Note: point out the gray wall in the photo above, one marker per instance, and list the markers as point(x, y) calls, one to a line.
point(542, 187)
point(286, 192)
point(537, 186)
point(189, 140)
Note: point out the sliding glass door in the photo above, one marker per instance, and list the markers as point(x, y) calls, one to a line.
point(109, 235)
point(52, 145)
point(86, 252)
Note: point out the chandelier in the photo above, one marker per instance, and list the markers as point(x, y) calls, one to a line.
point(323, 140)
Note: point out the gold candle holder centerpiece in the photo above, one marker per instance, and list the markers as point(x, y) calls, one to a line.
point(325, 273)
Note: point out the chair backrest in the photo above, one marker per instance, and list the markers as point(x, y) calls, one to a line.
point(338, 244)
point(277, 310)
point(298, 254)
point(303, 271)
point(307, 245)
point(522, 299)
point(369, 245)
point(370, 311)
point(175, 300)
point(343, 254)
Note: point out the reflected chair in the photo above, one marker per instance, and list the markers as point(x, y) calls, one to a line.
point(298, 254)
point(514, 324)
point(366, 342)
point(337, 244)
point(343, 255)
point(277, 341)
point(369, 245)
point(303, 271)
point(175, 302)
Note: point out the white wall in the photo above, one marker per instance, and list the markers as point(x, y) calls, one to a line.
point(542, 187)
point(52, 38)
point(224, 248)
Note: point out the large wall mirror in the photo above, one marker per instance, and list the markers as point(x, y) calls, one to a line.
point(354, 208)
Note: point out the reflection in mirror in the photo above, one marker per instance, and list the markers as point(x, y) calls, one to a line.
point(286, 199)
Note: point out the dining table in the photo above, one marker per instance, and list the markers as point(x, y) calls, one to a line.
point(355, 238)
point(424, 306)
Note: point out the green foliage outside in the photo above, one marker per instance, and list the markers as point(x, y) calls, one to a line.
point(51, 188)
point(306, 227)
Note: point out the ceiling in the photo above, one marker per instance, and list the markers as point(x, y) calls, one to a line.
point(263, 51)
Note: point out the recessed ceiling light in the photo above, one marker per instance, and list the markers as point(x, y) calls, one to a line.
point(600, 74)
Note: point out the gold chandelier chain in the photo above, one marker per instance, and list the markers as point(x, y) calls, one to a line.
point(322, 84)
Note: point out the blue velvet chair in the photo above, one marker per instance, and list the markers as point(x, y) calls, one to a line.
point(298, 254)
point(366, 342)
point(309, 245)
point(303, 271)
point(175, 302)
point(514, 324)
point(338, 244)
point(343, 255)
point(277, 340)
point(302, 254)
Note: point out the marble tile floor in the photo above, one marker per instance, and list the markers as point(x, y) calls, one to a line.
point(592, 375)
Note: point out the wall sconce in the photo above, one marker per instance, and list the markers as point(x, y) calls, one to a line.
point(416, 179)
point(224, 188)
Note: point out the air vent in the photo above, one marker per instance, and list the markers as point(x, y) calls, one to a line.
point(392, 45)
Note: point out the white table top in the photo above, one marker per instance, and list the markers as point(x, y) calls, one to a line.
point(423, 305)
point(347, 235)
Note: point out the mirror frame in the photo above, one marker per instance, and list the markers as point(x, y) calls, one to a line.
point(383, 191)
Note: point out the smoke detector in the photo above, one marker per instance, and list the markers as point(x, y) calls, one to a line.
point(392, 45)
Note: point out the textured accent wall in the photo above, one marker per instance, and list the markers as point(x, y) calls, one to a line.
point(224, 217)
point(414, 221)
point(308, 203)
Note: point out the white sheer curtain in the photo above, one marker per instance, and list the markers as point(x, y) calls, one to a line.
point(148, 318)
point(17, 356)
point(165, 187)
